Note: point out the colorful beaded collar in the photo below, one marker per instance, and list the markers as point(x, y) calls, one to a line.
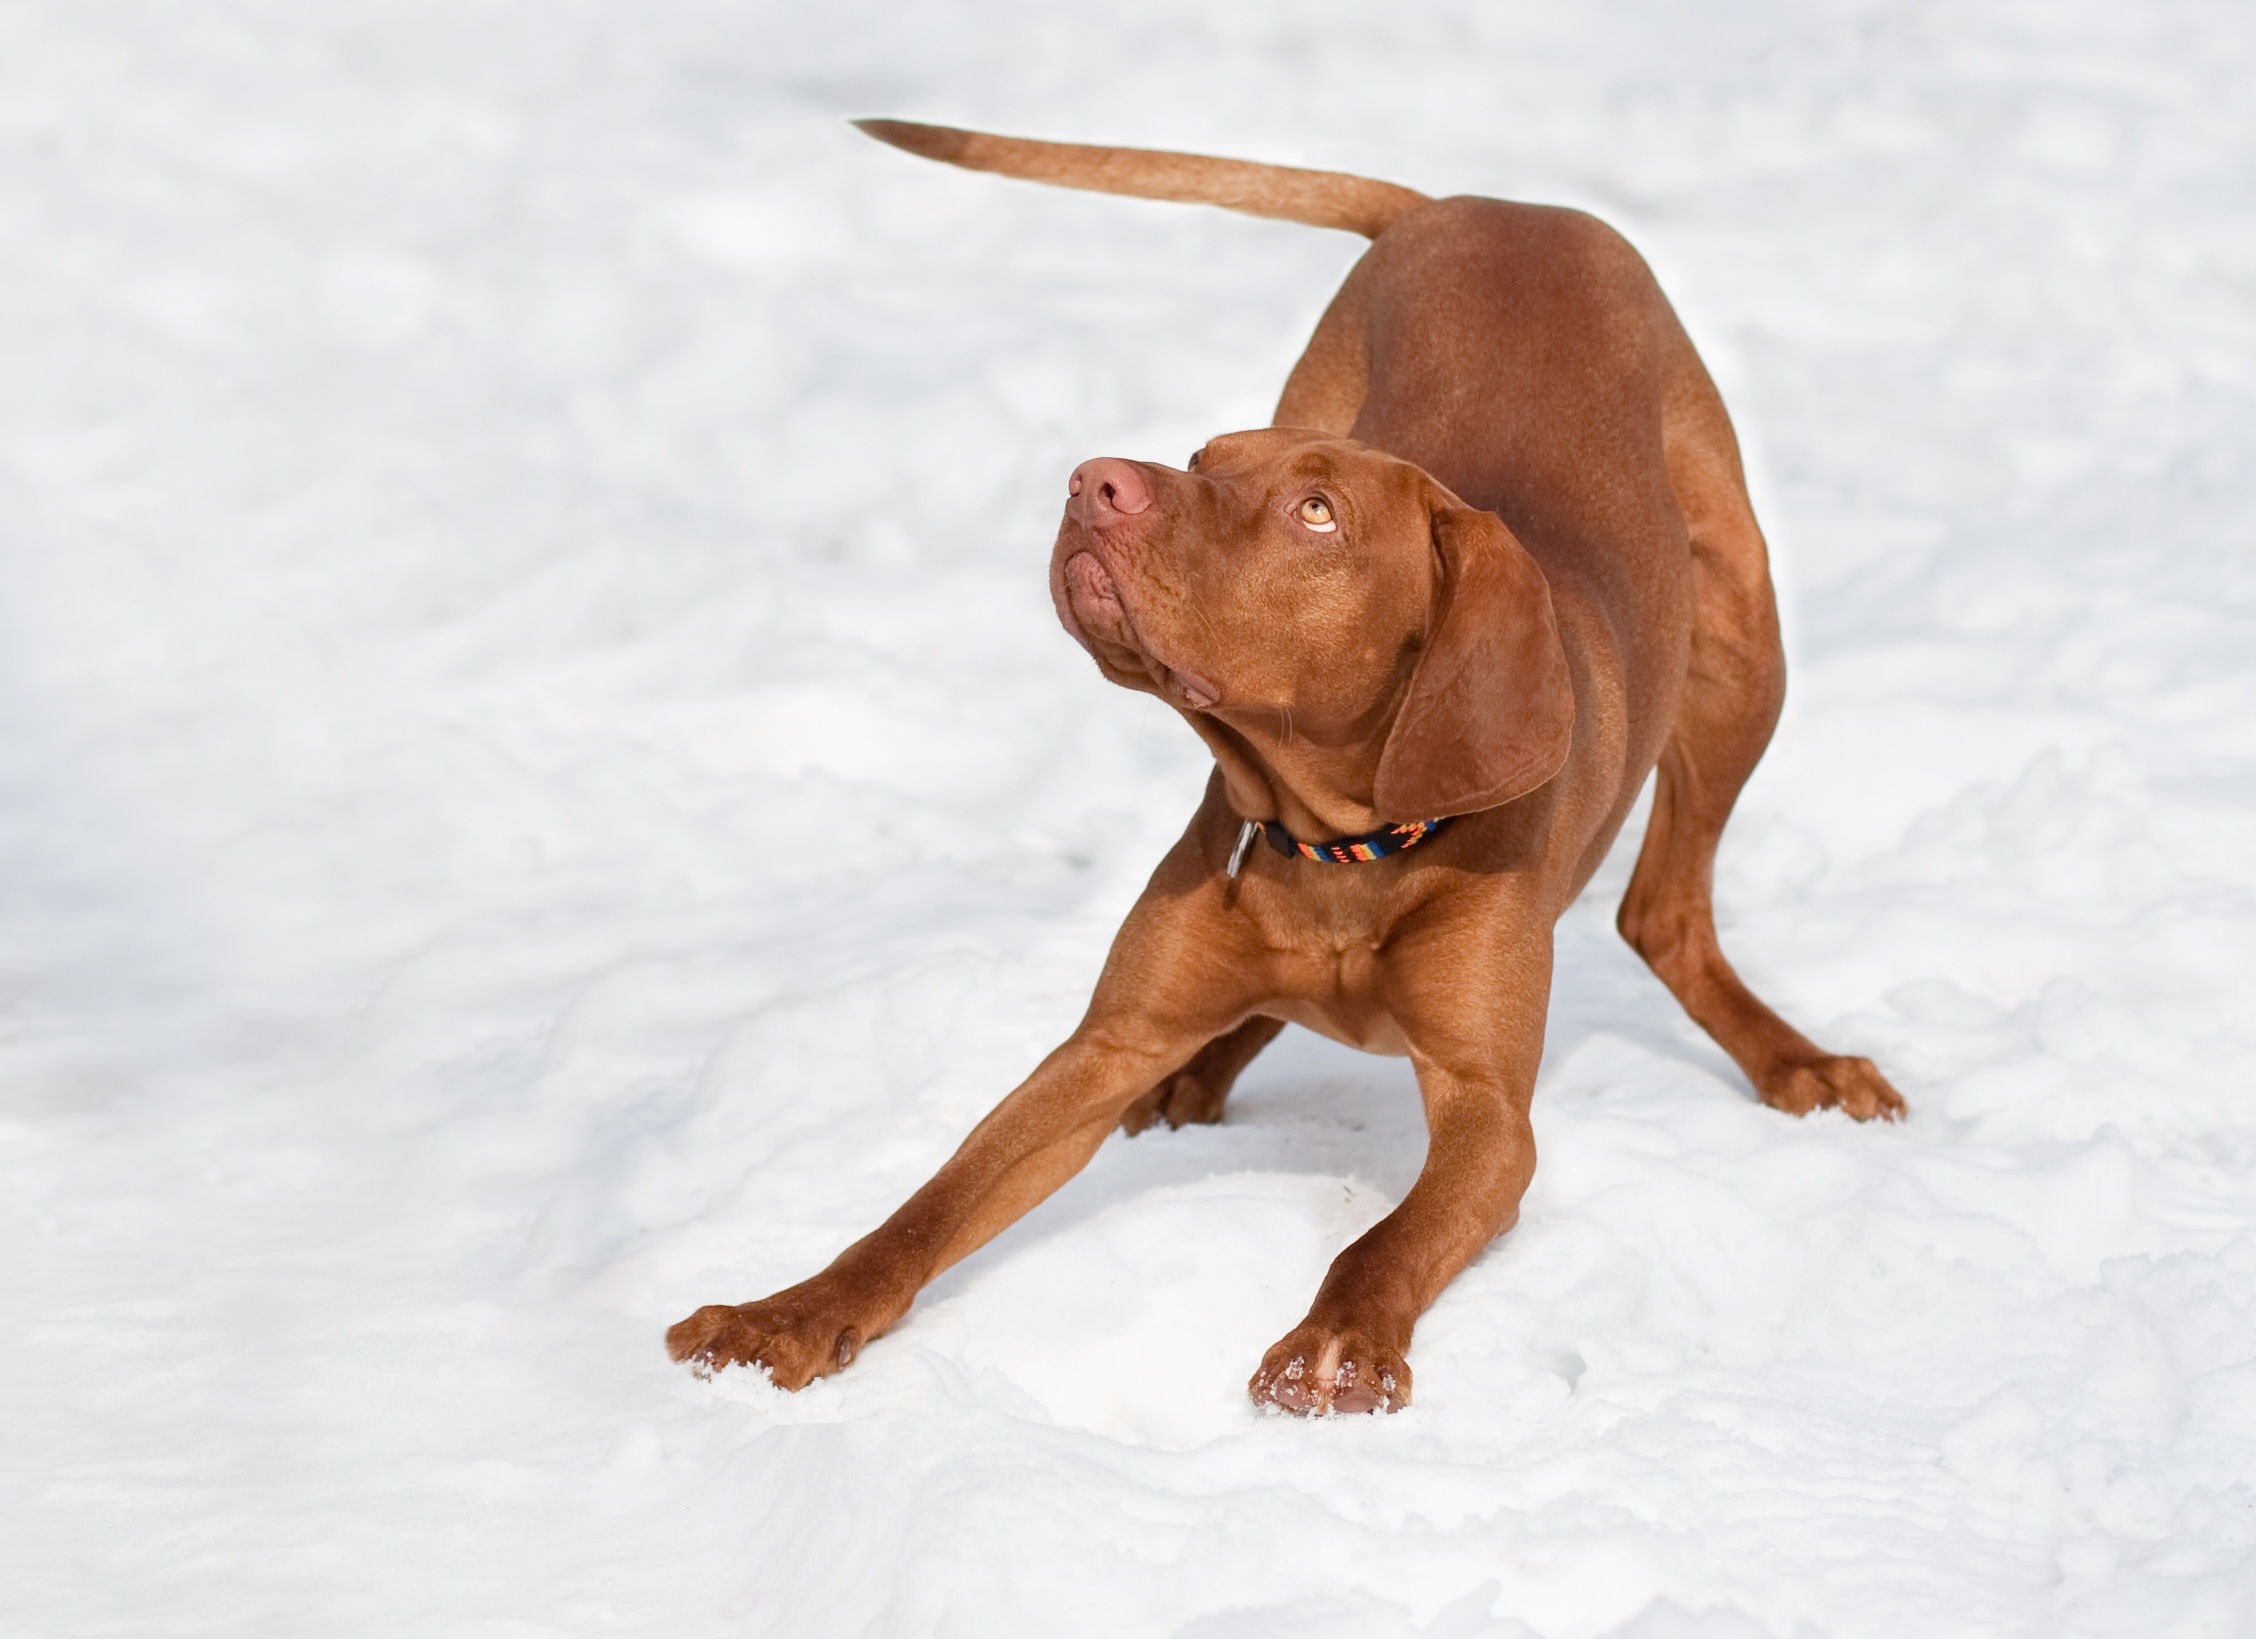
point(1392, 839)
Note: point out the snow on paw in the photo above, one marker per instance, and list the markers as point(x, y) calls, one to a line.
point(1322, 1371)
point(793, 1345)
point(1182, 1100)
point(1853, 1086)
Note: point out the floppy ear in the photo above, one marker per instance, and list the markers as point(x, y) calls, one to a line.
point(1488, 712)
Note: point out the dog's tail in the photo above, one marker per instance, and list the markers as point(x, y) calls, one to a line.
point(1321, 199)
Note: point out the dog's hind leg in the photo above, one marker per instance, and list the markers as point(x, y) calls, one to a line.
point(1197, 1092)
point(1734, 687)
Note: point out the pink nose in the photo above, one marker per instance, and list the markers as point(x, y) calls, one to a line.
point(1106, 490)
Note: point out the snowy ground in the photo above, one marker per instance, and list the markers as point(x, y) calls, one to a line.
point(540, 788)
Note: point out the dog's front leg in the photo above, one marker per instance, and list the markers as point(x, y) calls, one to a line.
point(1476, 1049)
point(1168, 987)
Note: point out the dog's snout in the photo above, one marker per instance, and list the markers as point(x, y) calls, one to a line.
point(1106, 490)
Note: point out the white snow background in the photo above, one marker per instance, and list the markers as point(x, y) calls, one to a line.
point(541, 788)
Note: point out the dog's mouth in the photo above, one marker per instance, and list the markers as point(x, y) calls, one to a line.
point(1093, 611)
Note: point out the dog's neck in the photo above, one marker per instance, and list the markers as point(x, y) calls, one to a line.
point(1316, 792)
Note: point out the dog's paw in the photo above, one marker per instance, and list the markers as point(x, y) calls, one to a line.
point(794, 1340)
point(1182, 1100)
point(1318, 1370)
point(1851, 1085)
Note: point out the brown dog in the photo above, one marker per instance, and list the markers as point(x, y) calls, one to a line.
point(1493, 564)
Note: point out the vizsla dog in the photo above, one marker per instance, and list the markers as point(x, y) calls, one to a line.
point(1493, 564)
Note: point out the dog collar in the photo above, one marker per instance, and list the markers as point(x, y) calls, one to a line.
point(1392, 839)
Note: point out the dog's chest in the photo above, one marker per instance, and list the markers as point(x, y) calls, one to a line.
point(1334, 988)
point(1366, 1028)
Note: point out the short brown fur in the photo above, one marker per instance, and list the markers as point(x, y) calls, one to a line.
point(1533, 579)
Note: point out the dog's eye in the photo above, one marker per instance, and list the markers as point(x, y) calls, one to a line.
point(1316, 513)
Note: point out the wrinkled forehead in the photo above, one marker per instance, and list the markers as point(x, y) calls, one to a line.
point(1285, 454)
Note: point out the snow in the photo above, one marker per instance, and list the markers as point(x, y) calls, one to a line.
point(540, 788)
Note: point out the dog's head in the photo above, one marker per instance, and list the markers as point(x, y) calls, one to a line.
point(1291, 587)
